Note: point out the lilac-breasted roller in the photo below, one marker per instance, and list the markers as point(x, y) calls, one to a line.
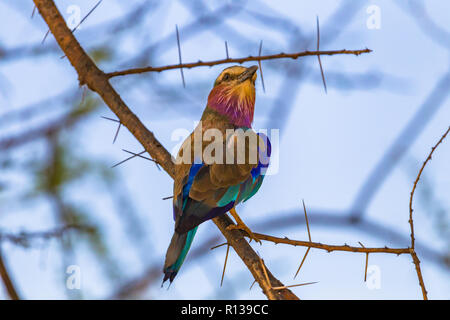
point(207, 182)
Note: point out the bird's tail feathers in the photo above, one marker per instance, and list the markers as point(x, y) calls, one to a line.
point(176, 253)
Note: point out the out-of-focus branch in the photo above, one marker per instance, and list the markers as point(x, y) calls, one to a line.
point(398, 148)
point(411, 223)
point(63, 122)
point(236, 60)
point(25, 238)
point(96, 80)
point(4, 274)
point(252, 261)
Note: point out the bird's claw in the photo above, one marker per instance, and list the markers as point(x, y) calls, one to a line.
point(246, 229)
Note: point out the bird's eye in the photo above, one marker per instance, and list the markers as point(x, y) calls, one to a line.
point(226, 77)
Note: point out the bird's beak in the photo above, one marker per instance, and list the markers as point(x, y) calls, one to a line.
point(247, 74)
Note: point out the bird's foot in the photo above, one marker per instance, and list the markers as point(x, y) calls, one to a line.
point(246, 229)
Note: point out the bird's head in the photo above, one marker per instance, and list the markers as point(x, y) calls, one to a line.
point(233, 94)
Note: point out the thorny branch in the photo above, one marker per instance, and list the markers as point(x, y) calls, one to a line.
point(24, 238)
point(236, 60)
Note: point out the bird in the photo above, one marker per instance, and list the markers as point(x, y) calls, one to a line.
point(207, 188)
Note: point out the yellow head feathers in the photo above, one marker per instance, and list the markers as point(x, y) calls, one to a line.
point(233, 94)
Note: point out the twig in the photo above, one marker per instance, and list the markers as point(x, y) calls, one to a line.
point(416, 262)
point(96, 80)
point(24, 238)
point(236, 60)
point(411, 223)
point(225, 264)
point(330, 248)
point(82, 20)
point(270, 294)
